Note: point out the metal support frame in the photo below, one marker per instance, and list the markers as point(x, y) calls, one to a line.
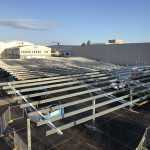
point(100, 76)
point(90, 108)
point(77, 79)
point(93, 112)
point(68, 83)
point(60, 90)
point(49, 78)
point(77, 122)
point(74, 94)
point(93, 105)
point(29, 133)
point(131, 98)
point(33, 107)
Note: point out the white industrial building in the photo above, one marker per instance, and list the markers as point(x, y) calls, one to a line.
point(23, 50)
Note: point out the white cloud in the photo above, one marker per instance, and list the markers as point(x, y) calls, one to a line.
point(29, 24)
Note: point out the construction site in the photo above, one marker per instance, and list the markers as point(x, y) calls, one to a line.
point(73, 103)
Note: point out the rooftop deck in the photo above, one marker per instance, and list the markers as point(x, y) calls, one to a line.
point(83, 89)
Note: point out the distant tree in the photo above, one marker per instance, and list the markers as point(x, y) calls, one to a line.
point(83, 44)
point(88, 43)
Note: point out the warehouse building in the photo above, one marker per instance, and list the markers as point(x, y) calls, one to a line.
point(120, 54)
point(24, 50)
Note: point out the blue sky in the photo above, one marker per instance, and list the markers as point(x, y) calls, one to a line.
point(74, 21)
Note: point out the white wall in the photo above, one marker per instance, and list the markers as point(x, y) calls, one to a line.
point(121, 54)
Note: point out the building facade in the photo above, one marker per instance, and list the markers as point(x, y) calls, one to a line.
point(23, 50)
point(27, 52)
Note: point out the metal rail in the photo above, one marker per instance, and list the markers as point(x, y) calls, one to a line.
point(78, 111)
point(34, 108)
point(51, 80)
point(87, 99)
point(79, 121)
point(74, 94)
point(62, 89)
